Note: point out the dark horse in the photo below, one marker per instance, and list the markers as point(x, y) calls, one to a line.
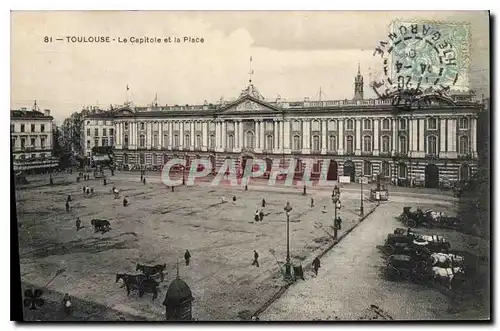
point(141, 283)
point(100, 225)
point(152, 270)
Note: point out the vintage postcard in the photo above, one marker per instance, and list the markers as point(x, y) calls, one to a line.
point(251, 165)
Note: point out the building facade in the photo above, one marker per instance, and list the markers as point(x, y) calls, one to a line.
point(98, 130)
point(31, 134)
point(431, 143)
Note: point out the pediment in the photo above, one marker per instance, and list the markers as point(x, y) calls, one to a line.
point(249, 105)
point(124, 112)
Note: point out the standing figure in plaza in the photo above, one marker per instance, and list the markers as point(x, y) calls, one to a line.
point(67, 206)
point(144, 180)
point(223, 200)
point(187, 257)
point(263, 203)
point(261, 215)
point(256, 217)
point(142, 177)
point(304, 190)
point(312, 202)
point(84, 188)
point(78, 179)
point(316, 265)
point(68, 199)
point(255, 259)
point(125, 202)
point(324, 211)
point(78, 224)
point(51, 180)
point(234, 198)
point(66, 303)
point(105, 182)
point(246, 187)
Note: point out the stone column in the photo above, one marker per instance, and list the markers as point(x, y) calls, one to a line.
point(340, 137)
point(376, 136)
point(181, 135)
point(306, 140)
point(421, 137)
point(261, 132)
point(394, 136)
point(452, 138)
point(242, 135)
point(223, 135)
point(358, 137)
point(286, 134)
point(323, 136)
point(442, 136)
point(275, 135)
point(473, 140)
point(204, 134)
point(217, 135)
point(170, 134)
point(149, 135)
point(160, 135)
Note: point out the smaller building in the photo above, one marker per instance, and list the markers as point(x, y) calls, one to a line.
point(98, 131)
point(178, 301)
point(31, 133)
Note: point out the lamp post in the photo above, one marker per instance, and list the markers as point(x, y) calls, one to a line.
point(184, 170)
point(361, 208)
point(336, 205)
point(288, 273)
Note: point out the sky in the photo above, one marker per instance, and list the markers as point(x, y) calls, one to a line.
point(294, 54)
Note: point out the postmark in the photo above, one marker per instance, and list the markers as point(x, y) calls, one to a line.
point(420, 58)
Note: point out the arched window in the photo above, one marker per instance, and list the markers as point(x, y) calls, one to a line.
point(367, 144)
point(386, 124)
point(402, 173)
point(23, 142)
point(432, 124)
point(198, 141)
point(295, 126)
point(33, 142)
point(367, 168)
point(316, 143)
point(332, 143)
point(155, 161)
point(367, 124)
point(431, 145)
point(176, 140)
point(230, 141)
point(250, 141)
point(155, 140)
point(142, 140)
point(403, 146)
point(463, 145)
point(315, 125)
point(269, 142)
point(187, 141)
point(463, 123)
point(349, 144)
point(165, 140)
point(211, 141)
point(386, 169)
point(386, 144)
point(125, 158)
point(350, 125)
point(125, 140)
point(296, 143)
point(464, 172)
point(332, 125)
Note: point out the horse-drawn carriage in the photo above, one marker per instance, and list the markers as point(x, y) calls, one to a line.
point(146, 282)
point(402, 241)
point(21, 178)
point(427, 219)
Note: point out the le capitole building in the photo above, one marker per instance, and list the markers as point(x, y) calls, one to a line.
point(429, 144)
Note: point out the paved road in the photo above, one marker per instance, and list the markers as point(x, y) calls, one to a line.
point(349, 281)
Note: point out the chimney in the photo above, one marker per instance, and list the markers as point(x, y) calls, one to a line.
point(46, 112)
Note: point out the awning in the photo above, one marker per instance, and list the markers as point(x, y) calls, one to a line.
point(101, 158)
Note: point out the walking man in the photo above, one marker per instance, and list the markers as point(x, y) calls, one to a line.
point(104, 180)
point(67, 206)
point(125, 202)
point(257, 216)
point(255, 259)
point(312, 202)
point(187, 257)
point(316, 265)
point(261, 215)
point(78, 224)
point(66, 302)
point(144, 180)
point(263, 203)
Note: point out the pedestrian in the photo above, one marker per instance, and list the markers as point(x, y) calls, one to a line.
point(263, 203)
point(68, 199)
point(223, 200)
point(234, 199)
point(187, 257)
point(324, 211)
point(256, 217)
point(255, 259)
point(261, 215)
point(246, 187)
point(144, 180)
point(78, 223)
point(316, 265)
point(105, 183)
point(142, 177)
point(91, 190)
point(66, 302)
point(67, 206)
point(78, 179)
point(172, 187)
point(304, 190)
point(51, 181)
point(312, 202)
point(84, 188)
point(125, 202)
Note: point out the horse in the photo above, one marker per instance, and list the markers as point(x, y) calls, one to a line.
point(100, 225)
point(140, 283)
point(152, 270)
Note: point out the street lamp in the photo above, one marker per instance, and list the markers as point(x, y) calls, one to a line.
point(184, 170)
point(288, 273)
point(336, 205)
point(361, 208)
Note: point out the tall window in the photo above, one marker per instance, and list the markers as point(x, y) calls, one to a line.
point(165, 140)
point(403, 148)
point(155, 140)
point(96, 132)
point(230, 141)
point(295, 126)
point(22, 127)
point(33, 142)
point(402, 124)
point(386, 169)
point(332, 125)
point(367, 144)
point(463, 145)
point(332, 143)
point(316, 144)
point(142, 140)
point(96, 142)
point(431, 145)
point(386, 124)
point(187, 141)
point(111, 132)
point(176, 140)
point(23, 143)
point(33, 128)
point(155, 159)
point(88, 132)
point(104, 142)
point(367, 124)
point(142, 125)
point(269, 142)
point(315, 125)
point(42, 142)
point(42, 128)
point(126, 125)
point(198, 141)
point(349, 144)
point(367, 168)
point(104, 132)
point(386, 140)
point(125, 140)
point(296, 143)
point(463, 172)
point(350, 125)
point(111, 141)
point(432, 124)
point(211, 141)
point(250, 141)
point(402, 171)
point(463, 123)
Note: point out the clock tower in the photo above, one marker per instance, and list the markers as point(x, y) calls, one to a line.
point(358, 86)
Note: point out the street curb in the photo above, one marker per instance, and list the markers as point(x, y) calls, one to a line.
point(283, 289)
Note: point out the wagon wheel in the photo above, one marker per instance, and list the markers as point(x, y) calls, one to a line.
point(411, 223)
